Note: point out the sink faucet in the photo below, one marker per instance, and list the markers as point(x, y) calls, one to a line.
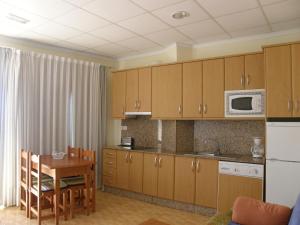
point(217, 151)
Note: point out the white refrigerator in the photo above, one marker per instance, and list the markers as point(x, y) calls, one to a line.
point(282, 162)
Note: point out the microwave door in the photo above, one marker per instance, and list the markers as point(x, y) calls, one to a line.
point(242, 104)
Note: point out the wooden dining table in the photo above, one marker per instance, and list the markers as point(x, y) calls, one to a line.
point(66, 167)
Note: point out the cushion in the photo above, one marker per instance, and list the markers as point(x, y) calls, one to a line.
point(249, 211)
point(47, 185)
point(220, 219)
point(295, 218)
point(71, 181)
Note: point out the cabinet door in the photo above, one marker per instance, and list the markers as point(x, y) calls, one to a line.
point(234, 73)
point(118, 94)
point(145, 90)
point(132, 90)
point(150, 174)
point(278, 81)
point(122, 169)
point(296, 78)
point(167, 91)
point(206, 182)
point(213, 88)
point(231, 187)
point(192, 90)
point(166, 177)
point(136, 172)
point(254, 71)
point(184, 190)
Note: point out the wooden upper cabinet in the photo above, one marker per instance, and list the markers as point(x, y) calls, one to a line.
point(213, 88)
point(122, 169)
point(234, 73)
point(150, 174)
point(136, 171)
point(184, 190)
point(254, 71)
point(144, 101)
point(206, 182)
point(278, 81)
point(167, 91)
point(296, 78)
point(165, 187)
point(132, 90)
point(192, 90)
point(118, 94)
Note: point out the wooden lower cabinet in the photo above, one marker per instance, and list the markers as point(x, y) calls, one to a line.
point(234, 186)
point(184, 189)
point(109, 167)
point(150, 174)
point(206, 182)
point(165, 187)
point(122, 169)
point(135, 182)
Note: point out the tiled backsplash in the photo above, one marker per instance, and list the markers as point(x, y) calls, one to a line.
point(232, 136)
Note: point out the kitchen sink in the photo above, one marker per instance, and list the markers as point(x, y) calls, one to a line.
point(213, 154)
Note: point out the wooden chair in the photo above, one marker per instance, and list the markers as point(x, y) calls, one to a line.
point(43, 191)
point(76, 187)
point(73, 152)
point(24, 184)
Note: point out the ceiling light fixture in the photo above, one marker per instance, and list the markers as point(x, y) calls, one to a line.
point(16, 18)
point(180, 15)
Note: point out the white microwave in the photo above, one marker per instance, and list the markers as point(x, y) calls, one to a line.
point(245, 103)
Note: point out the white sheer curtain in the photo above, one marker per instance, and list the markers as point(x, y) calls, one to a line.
point(60, 102)
point(9, 75)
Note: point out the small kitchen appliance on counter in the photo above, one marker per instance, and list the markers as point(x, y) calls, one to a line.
point(127, 142)
point(257, 149)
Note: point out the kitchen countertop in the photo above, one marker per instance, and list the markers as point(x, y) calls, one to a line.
point(223, 157)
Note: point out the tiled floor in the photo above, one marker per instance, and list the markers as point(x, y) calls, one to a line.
point(113, 210)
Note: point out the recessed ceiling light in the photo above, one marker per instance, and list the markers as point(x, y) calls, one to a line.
point(180, 15)
point(16, 18)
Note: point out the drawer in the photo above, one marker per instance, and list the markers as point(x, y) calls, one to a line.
point(109, 171)
point(109, 153)
point(110, 162)
point(109, 181)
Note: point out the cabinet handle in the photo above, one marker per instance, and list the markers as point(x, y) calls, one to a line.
point(126, 157)
point(242, 80)
point(198, 166)
point(248, 79)
point(205, 108)
point(139, 104)
point(200, 108)
point(135, 105)
point(123, 110)
point(193, 165)
point(159, 161)
point(155, 161)
point(297, 105)
point(130, 157)
point(179, 109)
point(290, 105)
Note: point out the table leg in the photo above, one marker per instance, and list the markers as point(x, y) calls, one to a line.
point(56, 199)
point(87, 197)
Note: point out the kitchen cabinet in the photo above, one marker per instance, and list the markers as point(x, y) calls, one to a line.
point(234, 186)
point(136, 171)
point(192, 90)
point(206, 182)
point(167, 91)
point(213, 88)
point(118, 94)
point(158, 179)
point(254, 71)
point(109, 167)
point(130, 170)
point(184, 189)
point(296, 78)
point(138, 90)
point(278, 81)
point(244, 72)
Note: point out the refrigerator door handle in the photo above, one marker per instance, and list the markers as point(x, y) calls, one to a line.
point(279, 160)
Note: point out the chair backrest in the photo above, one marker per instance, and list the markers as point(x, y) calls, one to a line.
point(24, 164)
point(73, 152)
point(90, 155)
point(35, 171)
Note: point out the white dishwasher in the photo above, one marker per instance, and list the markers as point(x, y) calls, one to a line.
point(238, 179)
